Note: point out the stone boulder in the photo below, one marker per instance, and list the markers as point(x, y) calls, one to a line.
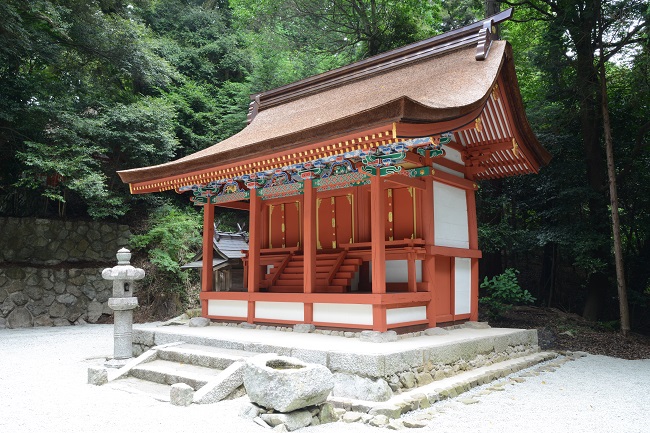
point(284, 383)
point(361, 388)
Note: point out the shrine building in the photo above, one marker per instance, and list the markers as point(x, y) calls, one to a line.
point(360, 185)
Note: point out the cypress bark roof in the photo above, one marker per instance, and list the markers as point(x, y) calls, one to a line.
point(436, 80)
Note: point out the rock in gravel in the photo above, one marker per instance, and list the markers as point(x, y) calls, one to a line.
point(181, 394)
point(199, 322)
point(413, 424)
point(408, 379)
point(436, 331)
point(379, 421)
point(395, 424)
point(292, 420)
point(304, 328)
point(476, 325)
point(378, 337)
point(97, 376)
point(281, 428)
point(391, 411)
point(351, 417)
point(423, 378)
point(468, 400)
point(249, 411)
point(327, 414)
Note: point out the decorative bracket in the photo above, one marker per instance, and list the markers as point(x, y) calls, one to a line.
point(385, 160)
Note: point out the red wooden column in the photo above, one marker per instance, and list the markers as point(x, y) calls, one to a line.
point(473, 244)
point(378, 249)
point(309, 245)
point(428, 233)
point(254, 242)
point(207, 278)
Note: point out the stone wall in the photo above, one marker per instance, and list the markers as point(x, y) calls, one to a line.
point(50, 270)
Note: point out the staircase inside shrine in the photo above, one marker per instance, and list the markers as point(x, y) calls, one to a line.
point(335, 273)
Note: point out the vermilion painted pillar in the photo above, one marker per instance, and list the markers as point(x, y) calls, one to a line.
point(378, 249)
point(254, 242)
point(207, 278)
point(309, 245)
point(428, 233)
point(378, 234)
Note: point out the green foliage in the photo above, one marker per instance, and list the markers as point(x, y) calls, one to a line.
point(172, 239)
point(89, 88)
point(504, 291)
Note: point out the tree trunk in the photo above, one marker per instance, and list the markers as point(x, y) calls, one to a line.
point(587, 88)
point(613, 198)
point(547, 276)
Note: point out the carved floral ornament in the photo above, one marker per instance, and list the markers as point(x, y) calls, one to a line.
point(364, 163)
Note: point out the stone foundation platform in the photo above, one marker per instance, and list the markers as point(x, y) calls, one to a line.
point(380, 370)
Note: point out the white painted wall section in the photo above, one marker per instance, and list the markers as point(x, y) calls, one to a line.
point(448, 170)
point(450, 216)
point(397, 271)
point(404, 315)
point(353, 314)
point(280, 310)
point(463, 279)
point(453, 155)
point(227, 308)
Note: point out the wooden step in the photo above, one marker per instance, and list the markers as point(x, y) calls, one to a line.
point(331, 289)
point(341, 282)
point(283, 283)
point(346, 275)
point(352, 261)
point(293, 270)
point(286, 289)
point(285, 276)
point(325, 262)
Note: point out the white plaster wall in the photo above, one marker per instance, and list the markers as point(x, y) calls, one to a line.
point(453, 155)
point(447, 170)
point(354, 314)
point(229, 308)
point(408, 314)
point(280, 310)
point(450, 216)
point(463, 280)
point(397, 271)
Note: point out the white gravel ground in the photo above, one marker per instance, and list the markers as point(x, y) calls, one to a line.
point(43, 389)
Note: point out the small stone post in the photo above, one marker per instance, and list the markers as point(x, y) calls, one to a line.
point(123, 303)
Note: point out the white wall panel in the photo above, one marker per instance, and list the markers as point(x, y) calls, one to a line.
point(448, 170)
point(408, 314)
point(463, 279)
point(280, 310)
point(397, 271)
point(228, 308)
point(354, 314)
point(453, 155)
point(450, 216)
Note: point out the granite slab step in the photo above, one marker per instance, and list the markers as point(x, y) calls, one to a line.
point(133, 385)
point(203, 356)
point(169, 372)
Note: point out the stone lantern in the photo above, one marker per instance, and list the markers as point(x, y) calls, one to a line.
point(123, 303)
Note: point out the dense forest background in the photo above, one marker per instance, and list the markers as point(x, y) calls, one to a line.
point(91, 87)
